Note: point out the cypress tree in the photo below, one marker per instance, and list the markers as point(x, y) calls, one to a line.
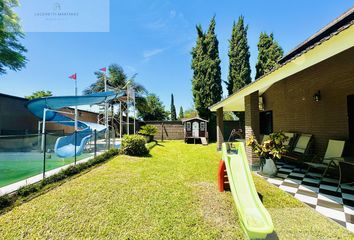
point(181, 113)
point(239, 55)
point(173, 109)
point(198, 58)
point(269, 53)
point(206, 83)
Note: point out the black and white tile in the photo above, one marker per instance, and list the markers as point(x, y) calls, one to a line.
point(320, 195)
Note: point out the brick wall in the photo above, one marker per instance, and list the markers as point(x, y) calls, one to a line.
point(294, 109)
point(83, 116)
point(219, 128)
point(252, 124)
point(172, 130)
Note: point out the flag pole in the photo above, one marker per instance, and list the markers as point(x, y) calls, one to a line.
point(76, 103)
point(105, 105)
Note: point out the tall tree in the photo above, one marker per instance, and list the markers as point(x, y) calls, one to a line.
point(191, 112)
point(239, 58)
point(153, 109)
point(39, 94)
point(269, 53)
point(173, 109)
point(206, 83)
point(181, 113)
point(11, 50)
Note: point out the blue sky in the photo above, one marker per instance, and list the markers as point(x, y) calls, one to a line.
point(154, 39)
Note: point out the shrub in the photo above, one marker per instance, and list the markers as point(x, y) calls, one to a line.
point(54, 178)
point(71, 171)
point(6, 201)
point(27, 190)
point(148, 130)
point(134, 145)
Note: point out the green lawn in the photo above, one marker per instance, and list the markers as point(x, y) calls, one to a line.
point(170, 195)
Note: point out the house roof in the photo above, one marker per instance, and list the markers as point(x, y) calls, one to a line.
point(334, 38)
point(193, 118)
point(14, 97)
point(344, 19)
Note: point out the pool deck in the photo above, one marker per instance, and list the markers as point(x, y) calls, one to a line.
point(320, 195)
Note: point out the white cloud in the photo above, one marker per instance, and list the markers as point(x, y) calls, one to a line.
point(157, 24)
point(153, 52)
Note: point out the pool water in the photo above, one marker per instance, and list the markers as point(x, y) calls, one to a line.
point(15, 167)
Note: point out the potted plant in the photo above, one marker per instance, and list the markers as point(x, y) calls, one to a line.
point(148, 131)
point(269, 151)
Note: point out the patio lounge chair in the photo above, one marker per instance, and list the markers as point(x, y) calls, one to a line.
point(346, 170)
point(301, 149)
point(290, 142)
point(331, 158)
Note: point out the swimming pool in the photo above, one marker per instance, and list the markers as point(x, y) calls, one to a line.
point(17, 166)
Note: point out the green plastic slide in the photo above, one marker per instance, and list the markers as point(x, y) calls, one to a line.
point(255, 219)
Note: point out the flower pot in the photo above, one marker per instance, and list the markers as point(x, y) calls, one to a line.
point(269, 168)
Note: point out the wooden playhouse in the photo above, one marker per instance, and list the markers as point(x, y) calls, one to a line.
point(195, 130)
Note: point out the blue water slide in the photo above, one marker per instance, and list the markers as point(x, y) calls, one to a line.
point(67, 146)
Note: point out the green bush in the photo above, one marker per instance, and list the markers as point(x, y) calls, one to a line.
point(27, 190)
point(148, 130)
point(134, 145)
point(6, 201)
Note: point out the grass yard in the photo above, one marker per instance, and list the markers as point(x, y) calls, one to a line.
point(170, 195)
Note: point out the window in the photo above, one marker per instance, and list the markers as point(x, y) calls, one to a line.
point(202, 126)
point(189, 126)
point(266, 122)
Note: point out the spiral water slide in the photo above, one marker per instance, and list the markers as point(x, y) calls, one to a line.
point(48, 110)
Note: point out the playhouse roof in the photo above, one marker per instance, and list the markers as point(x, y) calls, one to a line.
point(193, 118)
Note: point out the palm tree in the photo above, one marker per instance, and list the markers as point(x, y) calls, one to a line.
point(117, 80)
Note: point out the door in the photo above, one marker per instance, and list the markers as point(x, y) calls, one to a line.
point(195, 129)
point(266, 122)
point(350, 104)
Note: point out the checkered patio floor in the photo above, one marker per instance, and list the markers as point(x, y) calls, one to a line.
point(320, 195)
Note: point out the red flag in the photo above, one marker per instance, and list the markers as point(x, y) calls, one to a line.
point(103, 69)
point(73, 76)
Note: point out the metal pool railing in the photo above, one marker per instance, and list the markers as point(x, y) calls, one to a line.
point(24, 156)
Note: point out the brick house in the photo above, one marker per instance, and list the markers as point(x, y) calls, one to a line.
point(310, 91)
point(15, 119)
